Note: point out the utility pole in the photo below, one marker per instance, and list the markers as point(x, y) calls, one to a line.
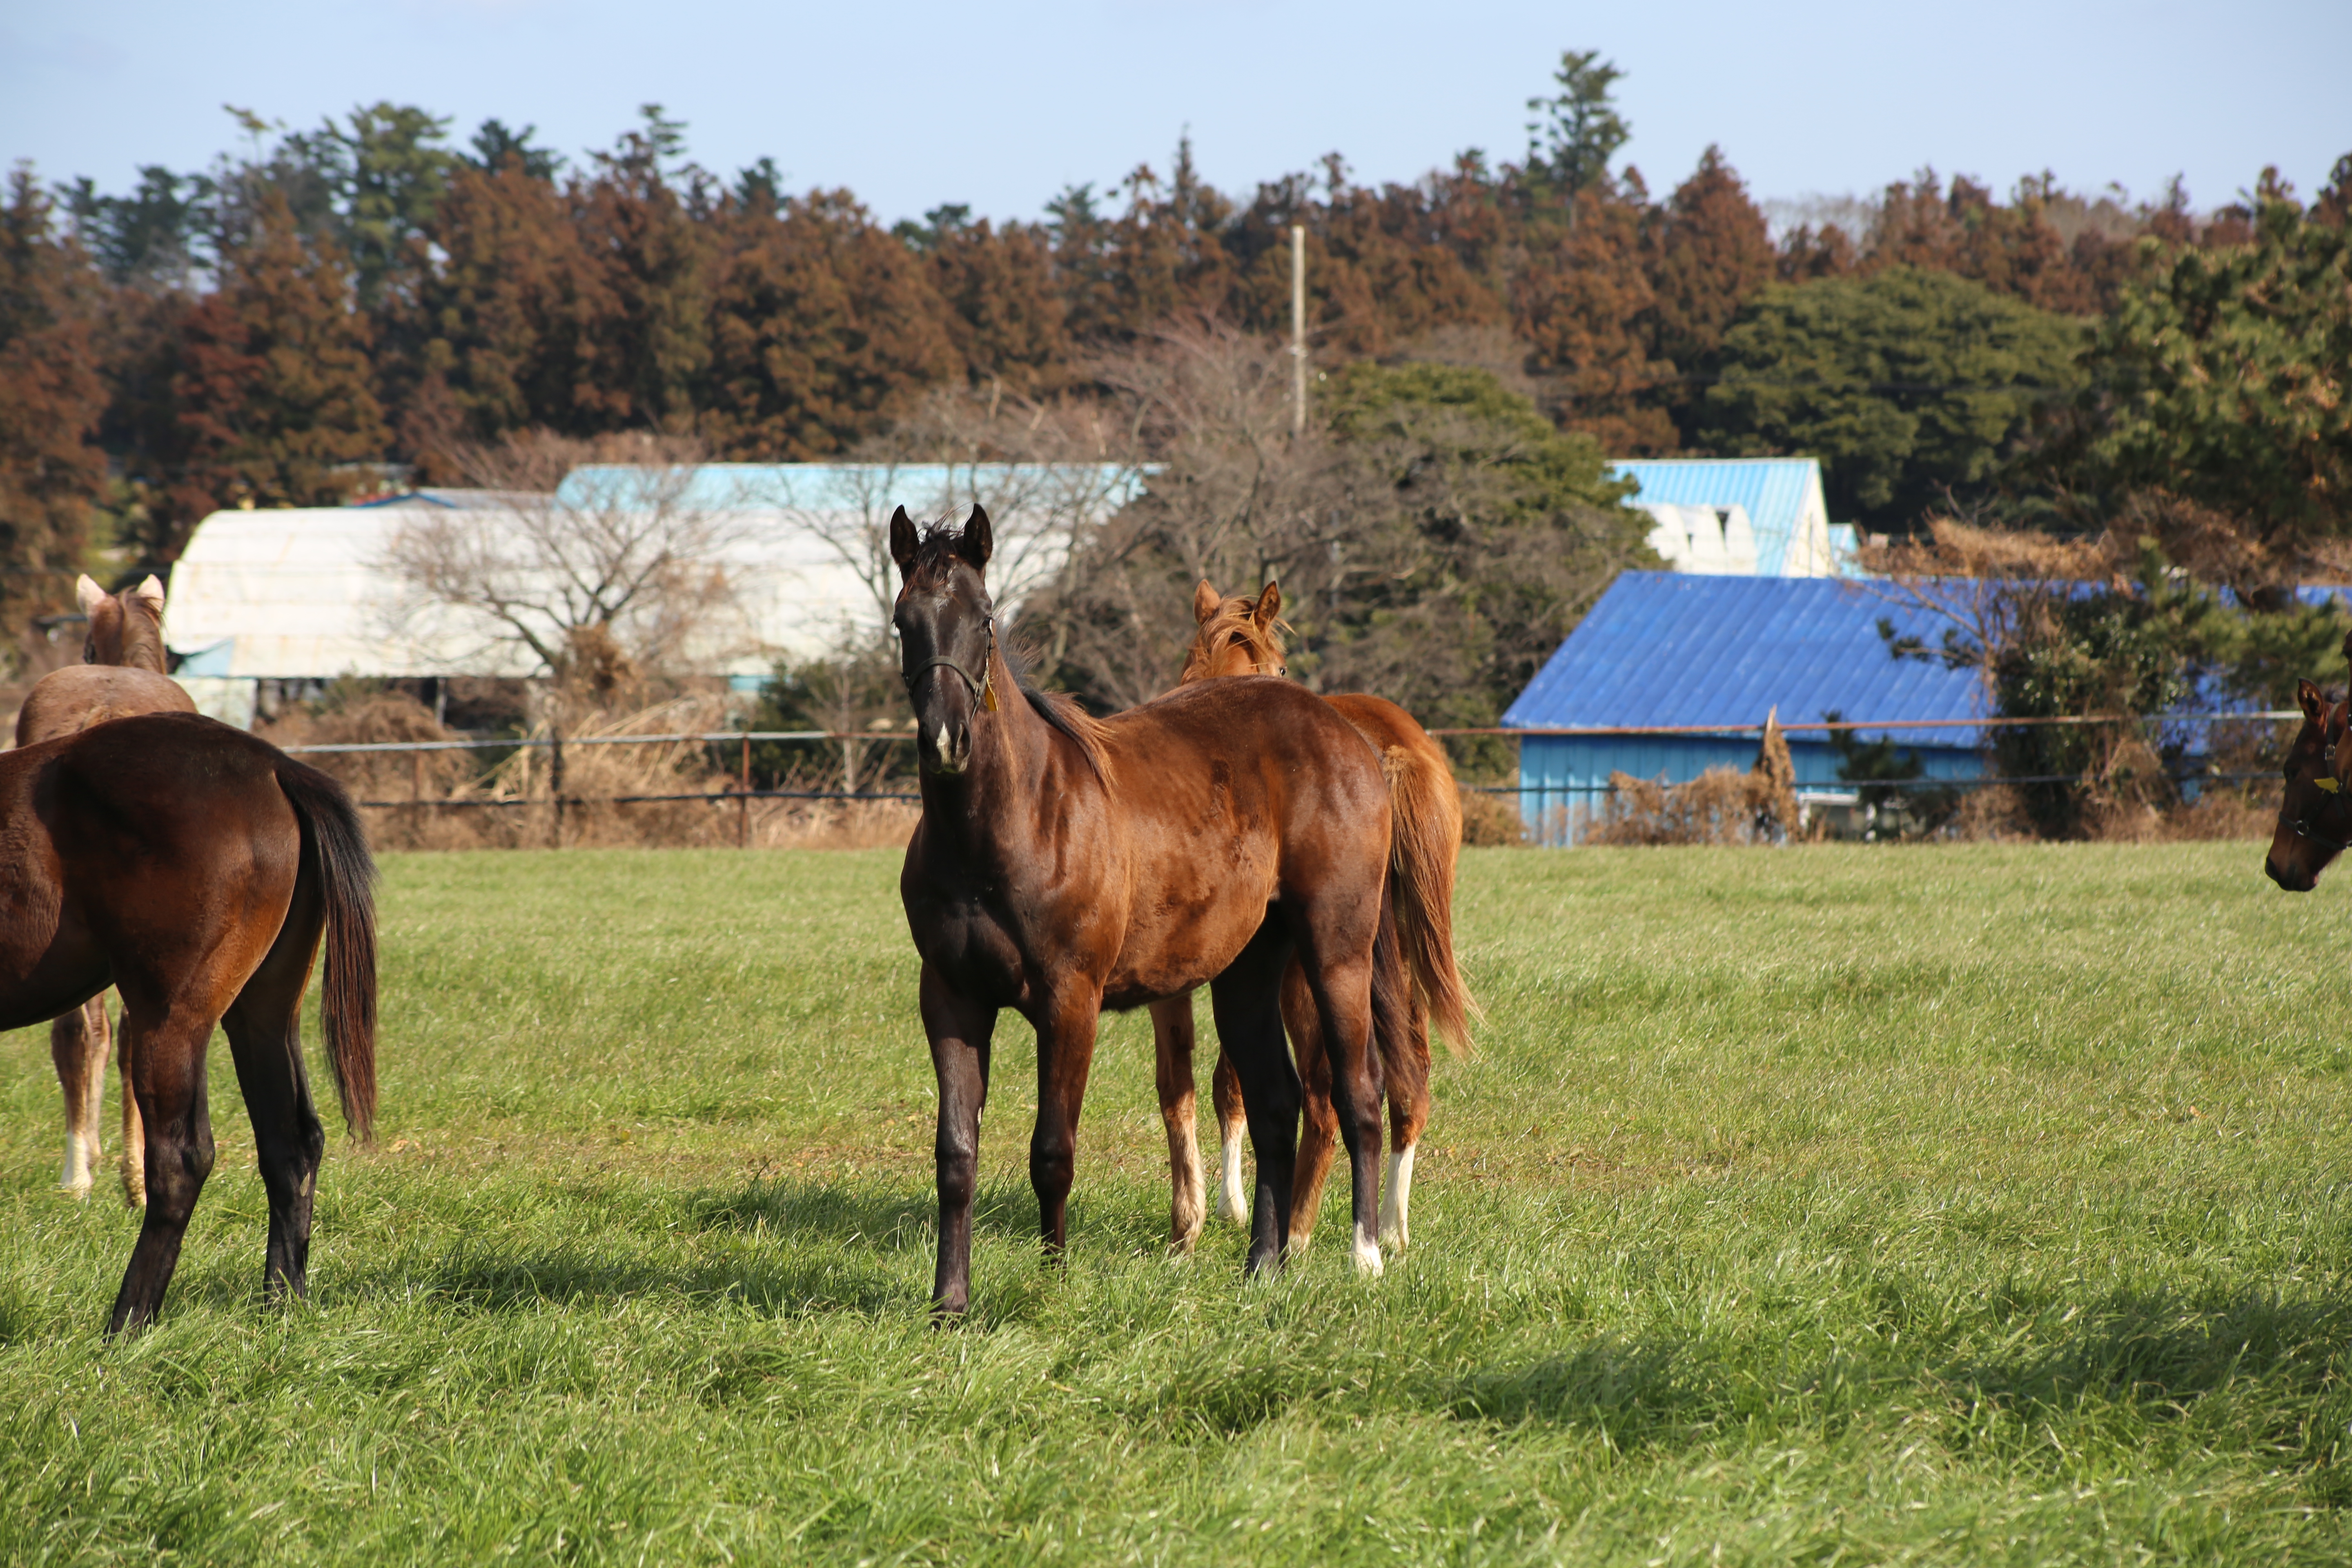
point(1298, 329)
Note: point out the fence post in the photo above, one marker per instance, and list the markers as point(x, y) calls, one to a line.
point(743, 800)
point(555, 780)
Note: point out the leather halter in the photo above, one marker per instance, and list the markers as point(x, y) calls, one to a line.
point(982, 688)
point(2303, 830)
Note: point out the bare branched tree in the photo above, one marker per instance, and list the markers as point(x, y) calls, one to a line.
point(1048, 474)
point(594, 559)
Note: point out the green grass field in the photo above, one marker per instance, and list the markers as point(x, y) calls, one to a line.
point(1823, 1205)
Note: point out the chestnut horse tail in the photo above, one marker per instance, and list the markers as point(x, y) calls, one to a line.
point(336, 848)
point(1425, 835)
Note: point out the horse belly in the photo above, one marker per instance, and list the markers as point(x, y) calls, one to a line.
point(1187, 931)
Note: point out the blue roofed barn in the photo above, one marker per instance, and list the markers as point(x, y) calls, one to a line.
point(1711, 656)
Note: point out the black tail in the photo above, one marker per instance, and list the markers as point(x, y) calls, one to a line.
point(332, 837)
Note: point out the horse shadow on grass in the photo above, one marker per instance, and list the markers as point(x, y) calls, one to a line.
point(798, 1247)
point(2157, 1353)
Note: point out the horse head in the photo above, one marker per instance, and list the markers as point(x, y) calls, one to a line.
point(125, 628)
point(947, 633)
point(1238, 636)
point(2315, 821)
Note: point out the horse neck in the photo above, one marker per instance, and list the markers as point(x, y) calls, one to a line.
point(997, 807)
point(140, 637)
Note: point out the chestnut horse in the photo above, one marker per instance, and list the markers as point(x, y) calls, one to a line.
point(1063, 865)
point(1242, 635)
point(193, 867)
point(2315, 820)
point(123, 673)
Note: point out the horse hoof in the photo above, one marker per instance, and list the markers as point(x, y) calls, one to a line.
point(1368, 1256)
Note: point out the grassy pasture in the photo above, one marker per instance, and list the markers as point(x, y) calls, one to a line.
point(1833, 1204)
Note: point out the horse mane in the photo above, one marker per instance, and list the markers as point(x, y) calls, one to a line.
point(1061, 711)
point(1237, 615)
point(935, 558)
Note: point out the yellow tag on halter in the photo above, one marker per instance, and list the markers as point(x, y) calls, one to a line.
point(988, 700)
point(2331, 784)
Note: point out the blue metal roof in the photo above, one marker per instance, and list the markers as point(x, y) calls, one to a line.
point(1773, 492)
point(1666, 648)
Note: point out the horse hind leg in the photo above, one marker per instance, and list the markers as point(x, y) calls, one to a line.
point(78, 1044)
point(1320, 1127)
point(265, 1038)
point(1172, 1040)
point(1246, 999)
point(166, 1047)
point(1408, 1094)
point(1225, 1094)
point(1341, 982)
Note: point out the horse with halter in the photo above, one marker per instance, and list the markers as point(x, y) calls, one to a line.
point(1242, 635)
point(193, 867)
point(1064, 864)
point(2315, 820)
point(123, 672)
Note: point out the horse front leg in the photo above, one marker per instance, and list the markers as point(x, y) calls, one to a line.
point(959, 1031)
point(1066, 1051)
point(78, 1044)
point(1171, 1044)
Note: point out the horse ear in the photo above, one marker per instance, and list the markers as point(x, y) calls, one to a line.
point(1205, 600)
point(151, 593)
point(902, 541)
point(89, 593)
point(2314, 706)
point(1269, 605)
point(975, 544)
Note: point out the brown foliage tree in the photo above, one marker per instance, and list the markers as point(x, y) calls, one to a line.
point(1579, 302)
point(823, 328)
point(506, 323)
point(1710, 252)
point(51, 401)
point(272, 389)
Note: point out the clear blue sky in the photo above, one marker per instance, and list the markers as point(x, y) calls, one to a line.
point(916, 102)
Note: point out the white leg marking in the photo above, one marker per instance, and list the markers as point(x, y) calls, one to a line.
point(1233, 1198)
point(1368, 1254)
point(78, 1153)
point(1184, 1177)
point(1396, 1200)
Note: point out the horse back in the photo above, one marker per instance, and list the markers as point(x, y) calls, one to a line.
point(81, 695)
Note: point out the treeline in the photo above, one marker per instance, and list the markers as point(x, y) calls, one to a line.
point(275, 330)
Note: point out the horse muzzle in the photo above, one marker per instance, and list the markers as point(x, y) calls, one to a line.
point(946, 749)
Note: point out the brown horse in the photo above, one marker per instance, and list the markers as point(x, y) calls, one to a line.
point(123, 673)
point(1064, 864)
point(1242, 635)
point(193, 867)
point(2315, 820)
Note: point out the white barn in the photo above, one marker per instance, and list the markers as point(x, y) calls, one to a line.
point(309, 593)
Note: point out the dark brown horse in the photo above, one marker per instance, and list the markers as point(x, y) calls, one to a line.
point(193, 867)
point(1243, 634)
point(123, 673)
point(1065, 865)
point(2315, 820)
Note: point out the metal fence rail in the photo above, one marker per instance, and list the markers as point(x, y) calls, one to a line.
point(1542, 794)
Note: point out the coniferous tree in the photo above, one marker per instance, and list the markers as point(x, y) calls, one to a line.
point(273, 386)
point(51, 401)
point(824, 327)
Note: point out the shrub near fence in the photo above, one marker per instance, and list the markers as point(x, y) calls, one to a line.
point(662, 776)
